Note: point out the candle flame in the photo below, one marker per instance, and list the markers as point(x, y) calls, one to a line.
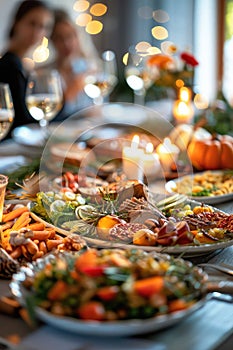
point(185, 94)
point(149, 148)
point(135, 142)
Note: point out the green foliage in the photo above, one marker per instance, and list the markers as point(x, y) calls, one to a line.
point(219, 117)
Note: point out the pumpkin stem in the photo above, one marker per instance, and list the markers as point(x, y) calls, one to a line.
point(200, 123)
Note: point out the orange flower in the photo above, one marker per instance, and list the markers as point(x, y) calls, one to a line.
point(161, 61)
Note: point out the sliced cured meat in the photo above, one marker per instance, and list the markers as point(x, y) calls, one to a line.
point(125, 232)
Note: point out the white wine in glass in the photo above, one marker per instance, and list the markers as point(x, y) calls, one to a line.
point(44, 95)
point(102, 78)
point(7, 113)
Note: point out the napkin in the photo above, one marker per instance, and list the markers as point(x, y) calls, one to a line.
point(48, 338)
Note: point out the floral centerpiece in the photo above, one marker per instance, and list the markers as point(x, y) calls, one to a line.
point(172, 71)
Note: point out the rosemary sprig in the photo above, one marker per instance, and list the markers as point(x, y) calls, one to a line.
point(23, 171)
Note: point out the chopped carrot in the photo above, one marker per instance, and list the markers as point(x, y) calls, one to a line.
point(14, 214)
point(58, 290)
point(178, 304)
point(149, 286)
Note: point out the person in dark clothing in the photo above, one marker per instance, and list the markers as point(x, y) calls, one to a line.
point(32, 20)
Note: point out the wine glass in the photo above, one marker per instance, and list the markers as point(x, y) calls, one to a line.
point(138, 74)
point(101, 78)
point(44, 96)
point(7, 113)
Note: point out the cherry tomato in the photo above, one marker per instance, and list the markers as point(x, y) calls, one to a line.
point(69, 176)
point(92, 310)
point(108, 293)
point(93, 271)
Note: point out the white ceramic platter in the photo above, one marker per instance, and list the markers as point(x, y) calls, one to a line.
point(170, 187)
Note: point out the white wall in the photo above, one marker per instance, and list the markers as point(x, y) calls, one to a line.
point(206, 47)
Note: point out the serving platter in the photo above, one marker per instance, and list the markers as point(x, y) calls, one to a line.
point(116, 328)
point(111, 328)
point(187, 250)
point(172, 187)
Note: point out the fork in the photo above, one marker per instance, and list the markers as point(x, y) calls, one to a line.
point(224, 269)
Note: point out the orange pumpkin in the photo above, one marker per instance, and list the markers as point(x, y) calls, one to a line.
point(213, 154)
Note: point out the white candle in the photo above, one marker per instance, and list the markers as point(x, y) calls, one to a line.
point(167, 153)
point(132, 158)
point(150, 161)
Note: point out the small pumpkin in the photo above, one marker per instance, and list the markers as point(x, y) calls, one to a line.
point(213, 154)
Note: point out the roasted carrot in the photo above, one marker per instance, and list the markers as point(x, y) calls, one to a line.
point(14, 214)
point(5, 236)
point(17, 252)
point(22, 221)
point(7, 225)
point(53, 243)
point(36, 226)
point(32, 247)
point(41, 235)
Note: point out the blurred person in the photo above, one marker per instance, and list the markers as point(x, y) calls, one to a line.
point(31, 22)
point(74, 55)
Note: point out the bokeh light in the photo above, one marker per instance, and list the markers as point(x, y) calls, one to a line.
point(153, 50)
point(83, 19)
point(142, 46)
point(161, 16)
point(201, 101)
point(159, 32)
point(179, 83)
point(98, 9)
point(41, 53)
point(125, 58)
point(168, 47)
point(94, 27)
point(81, 5)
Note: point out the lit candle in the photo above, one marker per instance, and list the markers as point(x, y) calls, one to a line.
point(132, 158)
point(167, 153)
point(185, 94)
point(183, 112)
point(150, 161)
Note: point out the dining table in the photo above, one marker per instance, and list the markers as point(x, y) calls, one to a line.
point(208, 328)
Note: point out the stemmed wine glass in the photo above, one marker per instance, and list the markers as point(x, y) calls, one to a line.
point(101, 78)
point(7, 113)
point(138, 74)
point(44, 96)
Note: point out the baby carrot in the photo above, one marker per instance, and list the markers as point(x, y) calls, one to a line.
point(14, 214)
point(37, 226)
point(41, 235)
point(22, 221)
